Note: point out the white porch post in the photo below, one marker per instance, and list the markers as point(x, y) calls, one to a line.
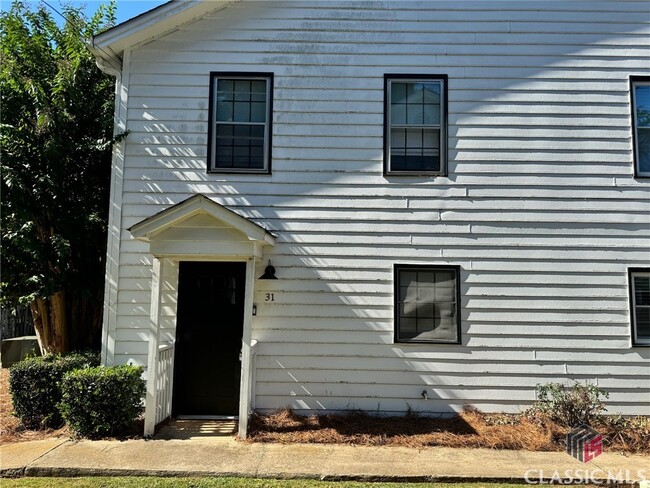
point(245, 391)
point(152, 364)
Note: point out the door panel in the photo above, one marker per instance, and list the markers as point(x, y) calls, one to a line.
point(209, 329)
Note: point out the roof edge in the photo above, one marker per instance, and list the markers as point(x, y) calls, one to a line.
point(156, 22)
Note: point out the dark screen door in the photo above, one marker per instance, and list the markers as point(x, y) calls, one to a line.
point(209, 329)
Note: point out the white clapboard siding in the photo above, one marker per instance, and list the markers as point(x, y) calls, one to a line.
point(540, 208)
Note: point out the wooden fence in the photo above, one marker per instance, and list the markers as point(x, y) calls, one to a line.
point(15, 322)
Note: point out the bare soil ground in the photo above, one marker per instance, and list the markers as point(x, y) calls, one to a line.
point(11, 429)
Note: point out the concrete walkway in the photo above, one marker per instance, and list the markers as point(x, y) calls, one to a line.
point(201, 455)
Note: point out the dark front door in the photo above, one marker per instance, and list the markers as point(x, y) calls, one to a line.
point(209, 330)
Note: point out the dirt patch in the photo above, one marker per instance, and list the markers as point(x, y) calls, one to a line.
point(11, 429)
point(470, 428)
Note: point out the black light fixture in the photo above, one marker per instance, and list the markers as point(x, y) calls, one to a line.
point(269, 273)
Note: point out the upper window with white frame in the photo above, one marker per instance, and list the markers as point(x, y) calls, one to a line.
point(640, 90)
point(427, 303)
point(415, 132)
point(240, 122)
point(640, 306)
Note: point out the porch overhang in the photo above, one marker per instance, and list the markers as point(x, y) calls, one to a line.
point(198, 227)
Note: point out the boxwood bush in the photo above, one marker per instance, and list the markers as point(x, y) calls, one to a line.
point(35, 386)
point(102, 401)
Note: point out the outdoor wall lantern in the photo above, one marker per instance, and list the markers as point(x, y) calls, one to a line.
point(269, 273)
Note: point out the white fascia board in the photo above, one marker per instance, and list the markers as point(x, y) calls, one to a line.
point(199, 203)
point(152, 24)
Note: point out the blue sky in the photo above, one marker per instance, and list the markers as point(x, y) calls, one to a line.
point(126, 9)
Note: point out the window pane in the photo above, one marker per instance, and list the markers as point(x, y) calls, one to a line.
point(414, 93)
point(432, 93)
point(243, 88)
point(642, 315)
point(415, 114)
point(409, 328)
point(224, 130)
point(398, 92)
point(242, 112)
point(642, 290)
point(258, 112)
point(431, 114)
point(642, 100)
point(258, 86)
point(224, 111)
point(415, 149)
point(226, 85)
point(398, 114)
point(643, 142)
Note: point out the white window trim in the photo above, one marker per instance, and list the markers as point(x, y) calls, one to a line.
point(443, 124)
point(637, 168)
point(213, 168)
point(636, 340)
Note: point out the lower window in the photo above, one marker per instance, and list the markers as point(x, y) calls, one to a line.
point(640, 306)
point(427, 303)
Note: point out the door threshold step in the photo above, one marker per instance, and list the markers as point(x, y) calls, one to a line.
point(207, 417)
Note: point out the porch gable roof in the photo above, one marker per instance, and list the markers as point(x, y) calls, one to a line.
point(195, 205)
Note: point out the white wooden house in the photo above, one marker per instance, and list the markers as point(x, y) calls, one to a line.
point(453, 196)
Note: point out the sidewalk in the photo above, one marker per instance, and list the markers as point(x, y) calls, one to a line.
point(222, 456)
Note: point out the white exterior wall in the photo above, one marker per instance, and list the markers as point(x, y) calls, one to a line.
point(540, 207)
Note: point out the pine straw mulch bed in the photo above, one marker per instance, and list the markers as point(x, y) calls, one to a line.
point(471, 428)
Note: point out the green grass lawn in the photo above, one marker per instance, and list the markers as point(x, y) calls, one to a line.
point(127, 482)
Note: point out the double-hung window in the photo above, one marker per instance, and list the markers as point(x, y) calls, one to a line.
point(640, 91)
point(415, 128)
point(640, 306)
point(240, 123)
point(427, 303)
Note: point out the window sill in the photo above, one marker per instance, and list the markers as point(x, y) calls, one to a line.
point(238, 172)
point(415, 173)
point(449, 343)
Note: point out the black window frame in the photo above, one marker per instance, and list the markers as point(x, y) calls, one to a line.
point(397, 267)
point(634, 80)
point(444, 123)
point(211, 166)
point(630, 273)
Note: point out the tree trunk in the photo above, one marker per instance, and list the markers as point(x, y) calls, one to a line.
point(50, 323)
point(64, 322)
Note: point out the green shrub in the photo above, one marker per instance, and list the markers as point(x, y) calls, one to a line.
point(102, 401)
point(570, 406)
point(34, 384)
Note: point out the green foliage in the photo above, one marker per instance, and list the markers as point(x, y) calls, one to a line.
point(102, 401)
point(55, 151)
point(35, 389)
point(570, 406)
